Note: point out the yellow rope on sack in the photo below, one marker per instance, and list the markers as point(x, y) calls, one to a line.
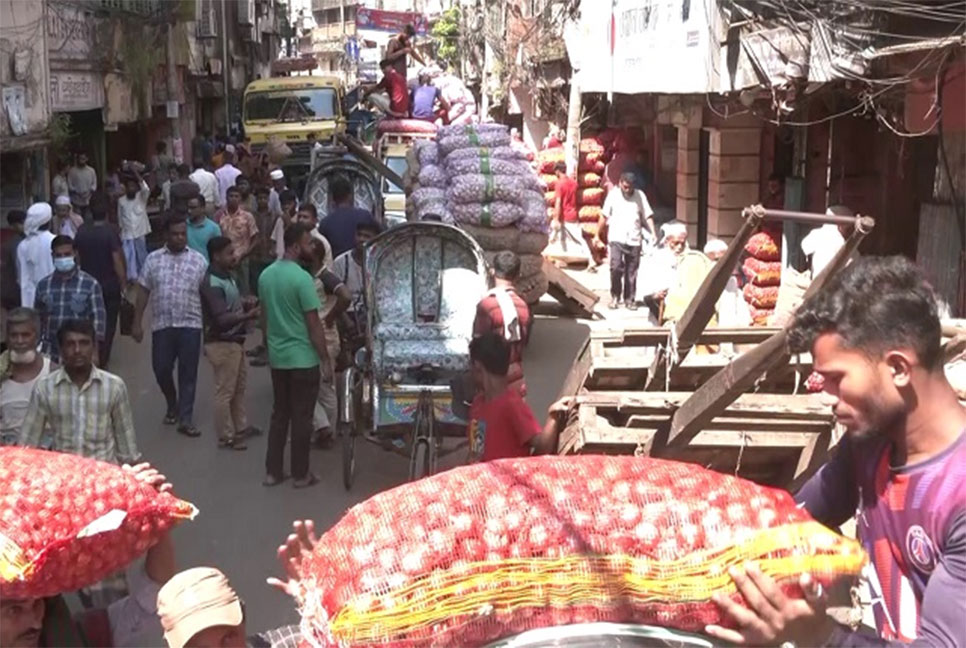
point(507, 585)
point(14, 564)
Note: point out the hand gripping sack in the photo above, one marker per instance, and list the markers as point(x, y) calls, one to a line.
point(67, 522)
point(492, 549)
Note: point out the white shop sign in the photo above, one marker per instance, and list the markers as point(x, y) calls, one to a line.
point(640, 46)
point(74, 91)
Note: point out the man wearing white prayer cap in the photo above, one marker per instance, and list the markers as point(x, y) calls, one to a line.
point(34, 257)
point(68, 221)
point(278, 186)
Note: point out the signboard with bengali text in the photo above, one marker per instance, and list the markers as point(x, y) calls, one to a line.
point(391, 21)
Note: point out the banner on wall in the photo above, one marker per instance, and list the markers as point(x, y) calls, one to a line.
point(391, 21)
point(638, 46)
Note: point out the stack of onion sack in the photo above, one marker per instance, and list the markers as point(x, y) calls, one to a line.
point(493, 549)
point(762, 269)
point(67, 522)
point(472, 178)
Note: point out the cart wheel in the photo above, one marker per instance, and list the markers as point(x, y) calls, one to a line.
point(348, 458)
point(419, 461)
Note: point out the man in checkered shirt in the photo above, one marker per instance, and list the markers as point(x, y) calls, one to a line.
point(171, 277)
point(68, 293)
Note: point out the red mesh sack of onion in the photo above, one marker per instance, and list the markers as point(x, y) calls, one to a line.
point(67, 522)
point(493, 549)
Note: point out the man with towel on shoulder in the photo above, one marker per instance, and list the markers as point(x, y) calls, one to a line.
point(503, 311)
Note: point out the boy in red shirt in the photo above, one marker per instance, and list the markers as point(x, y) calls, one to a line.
point(501, 424)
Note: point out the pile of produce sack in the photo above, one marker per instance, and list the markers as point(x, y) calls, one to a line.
point(762, 269)
point(67, 522)
point(472, 178)
point(493, 549)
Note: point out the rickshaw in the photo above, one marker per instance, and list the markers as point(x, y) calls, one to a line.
point(423, 281)
point(365, 185)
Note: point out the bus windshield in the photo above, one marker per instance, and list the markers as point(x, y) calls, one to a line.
point(306, 104)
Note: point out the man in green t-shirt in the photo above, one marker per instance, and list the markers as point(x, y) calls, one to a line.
point(296, 346)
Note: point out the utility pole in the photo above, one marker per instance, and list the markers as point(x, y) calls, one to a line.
point(176, 146)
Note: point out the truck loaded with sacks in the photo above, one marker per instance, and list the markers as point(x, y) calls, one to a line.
point(472, 178)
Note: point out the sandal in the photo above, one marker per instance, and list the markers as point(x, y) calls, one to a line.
point(170, 419)
point(309, 480)
point(233, 444)
point(250, 431)
point(189, 431)
point(272, 480)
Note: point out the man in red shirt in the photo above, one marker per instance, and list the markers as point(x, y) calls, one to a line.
point(395, 85)
point(501, 424)
point(565, 210)
point(503, 312)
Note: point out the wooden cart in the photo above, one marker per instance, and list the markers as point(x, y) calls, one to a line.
point(643, 390)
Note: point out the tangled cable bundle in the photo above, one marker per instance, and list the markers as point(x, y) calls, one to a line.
point(492, 549)
point(67, 522)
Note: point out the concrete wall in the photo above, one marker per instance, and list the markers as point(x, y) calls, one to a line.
point(23, 61)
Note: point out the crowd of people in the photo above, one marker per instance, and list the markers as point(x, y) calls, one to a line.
point(238, 258)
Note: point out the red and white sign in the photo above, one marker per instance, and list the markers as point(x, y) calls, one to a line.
point(391, 21)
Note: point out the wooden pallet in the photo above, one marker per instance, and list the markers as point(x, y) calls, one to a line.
point(573, 295)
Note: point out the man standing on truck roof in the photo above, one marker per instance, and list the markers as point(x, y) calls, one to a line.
point(400, 47)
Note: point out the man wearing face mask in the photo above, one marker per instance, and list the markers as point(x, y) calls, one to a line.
point(21, 366)
point(66, 294)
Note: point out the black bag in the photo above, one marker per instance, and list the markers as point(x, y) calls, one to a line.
point(126, 313)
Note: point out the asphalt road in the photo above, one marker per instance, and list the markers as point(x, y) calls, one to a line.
point(240, 522)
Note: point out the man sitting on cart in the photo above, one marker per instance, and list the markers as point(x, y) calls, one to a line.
point(503, 312)
point(424, 99)
point(502, 425)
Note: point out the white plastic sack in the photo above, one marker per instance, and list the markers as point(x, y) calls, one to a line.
point(477, 139)
point(482, 188)
point(427, 151)
point(431, 175)
point(497, 214)
point(425, 195)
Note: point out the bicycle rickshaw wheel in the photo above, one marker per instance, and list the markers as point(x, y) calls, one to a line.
point(348, 459)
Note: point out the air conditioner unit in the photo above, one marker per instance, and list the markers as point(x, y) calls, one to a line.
point(205, 19)
point(246, 12)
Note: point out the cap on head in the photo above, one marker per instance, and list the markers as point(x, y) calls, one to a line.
point(62, 200)
point(277, 174)
point(195, 600)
